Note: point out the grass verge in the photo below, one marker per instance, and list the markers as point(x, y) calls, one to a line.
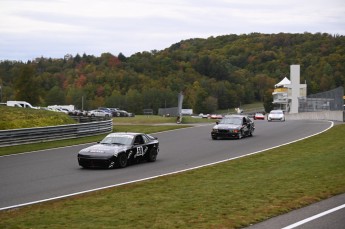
point(15, 118)
point(156, 119)
point(233, 194)
point(68, 142)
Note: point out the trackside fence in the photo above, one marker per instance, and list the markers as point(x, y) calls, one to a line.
point(50, 133)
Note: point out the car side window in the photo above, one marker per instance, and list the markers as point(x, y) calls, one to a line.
point(139, 140)
point(146, 140)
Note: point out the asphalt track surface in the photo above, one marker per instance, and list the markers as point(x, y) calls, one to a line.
point(326, 214)
point(43, 175)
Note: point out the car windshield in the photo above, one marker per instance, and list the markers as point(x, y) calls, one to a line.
point(118, 140)
point(232, 120)
point(276, 112)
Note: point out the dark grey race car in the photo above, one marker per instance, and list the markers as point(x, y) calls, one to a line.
point(119, 150)
point(233, 126)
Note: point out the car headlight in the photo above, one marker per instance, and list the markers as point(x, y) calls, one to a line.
point(215, 130)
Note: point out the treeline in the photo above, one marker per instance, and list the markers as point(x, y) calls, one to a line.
point(215, 73)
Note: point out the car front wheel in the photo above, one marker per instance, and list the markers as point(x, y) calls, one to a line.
point(251, 133)
point(122, 160)
point(152, 155)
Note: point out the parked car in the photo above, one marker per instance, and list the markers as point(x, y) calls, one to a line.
point(216, 116)
point(204, 115)
point(259, 116)
point(122, 113)
point(233, 126)
point(62, 110)
point(276, 115)
point(108, 110)
point(22, 104)
point(99, 113)
point(120, 149)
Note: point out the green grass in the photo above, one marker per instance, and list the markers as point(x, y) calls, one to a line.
point(246, 108)
point(144, 119)
point(15, 118)
point(75, 141)
point(156, 119)
point(229, 195)
point(233, 194)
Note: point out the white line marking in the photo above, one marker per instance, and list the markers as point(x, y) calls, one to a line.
point(314, 217)
point(165, 174)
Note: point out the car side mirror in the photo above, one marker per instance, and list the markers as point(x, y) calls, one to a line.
point(217, 122)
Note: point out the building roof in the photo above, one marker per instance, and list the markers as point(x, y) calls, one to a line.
point(284, 82)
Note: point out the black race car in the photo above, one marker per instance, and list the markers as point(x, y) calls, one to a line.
point(119, 150)
point(233, 126)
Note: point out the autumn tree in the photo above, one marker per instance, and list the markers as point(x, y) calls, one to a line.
point(26, 86)
point(226, 71)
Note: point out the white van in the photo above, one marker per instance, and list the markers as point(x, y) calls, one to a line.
point(22, 104)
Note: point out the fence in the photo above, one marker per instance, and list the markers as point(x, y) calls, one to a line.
point(318, 115)
point(172, 111)
point(148, 112)
point(325, 101)
point(43, 134)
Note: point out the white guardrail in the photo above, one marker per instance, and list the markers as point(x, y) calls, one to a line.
point(50, 133)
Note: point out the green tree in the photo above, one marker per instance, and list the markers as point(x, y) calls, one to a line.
point(210, 105)
point(55, 97)
point(26, 85)
point(135, 102)
point(268, 100)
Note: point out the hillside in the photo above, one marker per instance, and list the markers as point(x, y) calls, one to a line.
point(215, 73)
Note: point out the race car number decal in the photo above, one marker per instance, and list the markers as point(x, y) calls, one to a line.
point(140, 151)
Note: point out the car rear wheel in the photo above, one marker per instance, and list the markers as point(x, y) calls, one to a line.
point(122, 160)
point(152, 155)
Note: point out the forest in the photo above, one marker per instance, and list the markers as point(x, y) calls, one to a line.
point(216, 73)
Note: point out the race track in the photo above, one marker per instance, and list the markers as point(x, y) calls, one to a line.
point(42, 175)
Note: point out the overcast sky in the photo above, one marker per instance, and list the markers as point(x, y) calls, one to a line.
point(53, 28)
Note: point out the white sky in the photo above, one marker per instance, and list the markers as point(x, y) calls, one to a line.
point(53, 28)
